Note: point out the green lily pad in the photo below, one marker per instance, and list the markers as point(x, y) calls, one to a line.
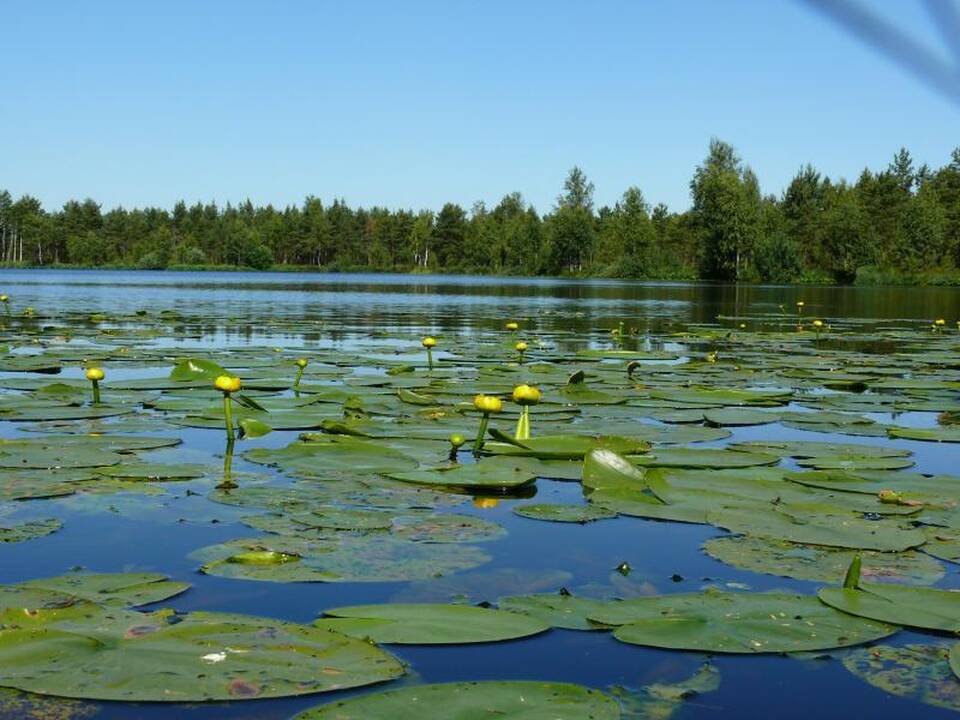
point(925, 608)
point(948, 433)
point(739, 416)
point(705, 458)
point(565, 447)
point(564, 513)
point(813, 562)
point(29, 530)
point(488, 473)
point(917, 672)
point(558, 610)
point(346, 559)
point(460, 701)
point(429, 624)
point(332, 454)
point(722, 622)
point(120, 589)
point(112, 655)
point(152, 471)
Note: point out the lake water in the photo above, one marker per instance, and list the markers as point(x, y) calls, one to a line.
point(381, 314)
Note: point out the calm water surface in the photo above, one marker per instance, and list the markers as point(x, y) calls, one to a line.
point(339, 311)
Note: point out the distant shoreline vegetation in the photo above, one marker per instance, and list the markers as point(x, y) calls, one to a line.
point(899, 225)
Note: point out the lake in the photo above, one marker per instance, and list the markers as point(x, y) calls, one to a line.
point(877, 364)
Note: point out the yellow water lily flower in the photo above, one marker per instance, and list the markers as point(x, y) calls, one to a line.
point(95, 375)
point(429, 341)
point(512, 326)
point(227, 383)
point(488, 404)
point(526, 395)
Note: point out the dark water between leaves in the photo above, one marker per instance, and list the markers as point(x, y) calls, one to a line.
point(303, 313)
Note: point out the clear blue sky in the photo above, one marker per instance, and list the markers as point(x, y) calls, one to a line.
point(411, 104)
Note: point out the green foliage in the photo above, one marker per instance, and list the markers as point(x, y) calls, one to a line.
point(900, 224)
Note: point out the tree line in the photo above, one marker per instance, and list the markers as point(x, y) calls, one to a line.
point(899, 222)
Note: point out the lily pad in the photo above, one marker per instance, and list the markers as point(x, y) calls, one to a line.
point(29, 530)
point(917, 672)
point(120, 589)
point(925, 608)
point(722, 622)
point(488, 473)
point(560, 610)
point(564, 513)
point(429, 624)
point(813, 562)
point(518, 700)
point(112, 655)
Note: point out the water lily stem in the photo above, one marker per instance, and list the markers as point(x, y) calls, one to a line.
point(430, 359)
point(478, 443)
point(227, 483)
point(228, 417)
point(296, 382)
point(96, 392)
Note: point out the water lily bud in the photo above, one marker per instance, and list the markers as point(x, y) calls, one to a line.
point(520, 346)
point(429, 341)
point(940, 322)
point(512, 326)
point(800, 303)
point(227, 383)
point(457, 440)
point(95, 374)
point(4, 298)
point(488, 403)
point(526, 395)
point(301, 362)
point(891, 497)
point(485, 503)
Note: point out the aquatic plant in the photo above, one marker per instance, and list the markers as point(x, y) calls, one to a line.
point(487, 405)
point(525, 396)
point(429, 342)
point(95, 375)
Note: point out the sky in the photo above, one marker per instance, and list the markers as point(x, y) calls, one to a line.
point(413, 104)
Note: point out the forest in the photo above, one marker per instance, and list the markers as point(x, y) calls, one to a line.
point(897, 224)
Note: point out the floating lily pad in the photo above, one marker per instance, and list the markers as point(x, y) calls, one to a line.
point(812, 562)
point(29, 530)
point(722, 622)
point(429, 624)
point(152, 471)
point(112, 655)
point(565, 447)
point(560, 610)
point(338, 453)
point(460, 701)
point(948, 433)
point(121, 589)
point(488, 473)
point(917, 672)
point(564, 513)
point(347, 559)
point(926, 608)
